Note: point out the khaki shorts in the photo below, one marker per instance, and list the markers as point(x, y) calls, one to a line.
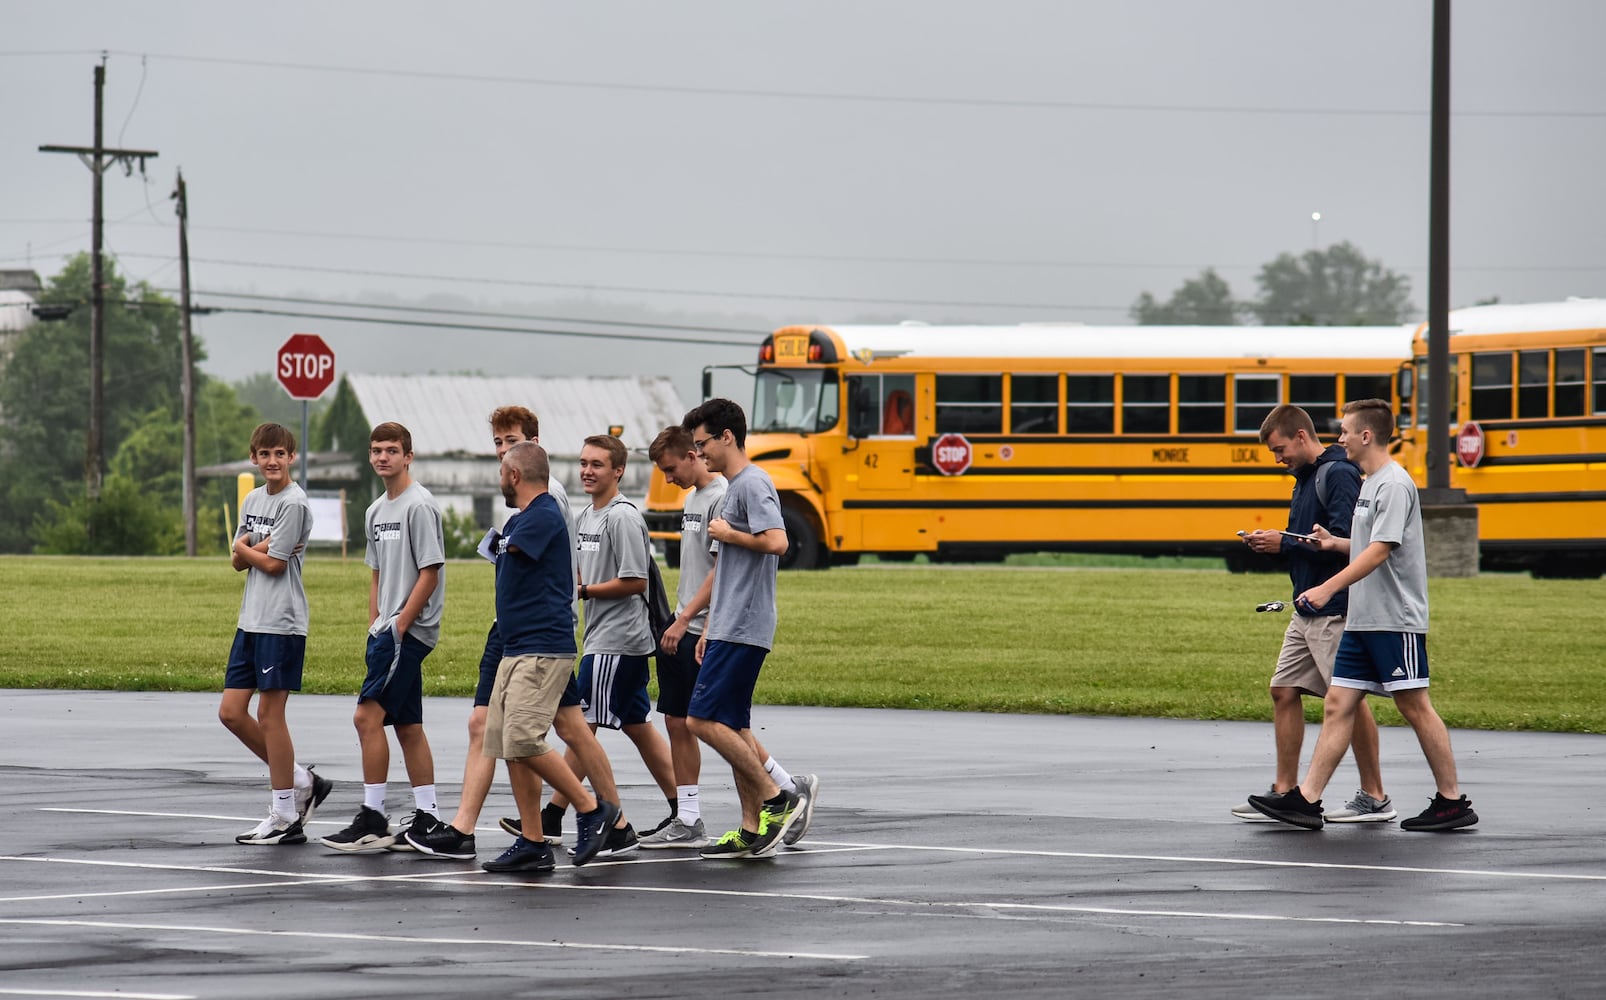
point(523, 702)
point(1309, 647)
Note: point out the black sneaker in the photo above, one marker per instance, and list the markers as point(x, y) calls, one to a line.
point(418, 824)
point(1290, 807)
point(369, 833)
point(674, 810)
point(311, 797)
point(552, 823)
point(273, 831)
point(443, 841)
point(620, 840)
point(1441, 815)
point(734, 845)
point(591, 831)
point(523, 856)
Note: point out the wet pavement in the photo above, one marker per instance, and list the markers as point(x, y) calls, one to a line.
point(951, 855)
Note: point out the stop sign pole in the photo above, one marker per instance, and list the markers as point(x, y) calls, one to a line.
point(306, 368)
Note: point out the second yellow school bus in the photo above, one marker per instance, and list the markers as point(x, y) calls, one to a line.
point(1532, 379)
point(969, 442)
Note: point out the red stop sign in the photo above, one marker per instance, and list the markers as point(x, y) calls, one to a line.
point(1469, 444)
point(950, 454)
point(306, 366)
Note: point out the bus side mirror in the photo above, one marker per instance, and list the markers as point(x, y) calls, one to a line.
point(1407, 377)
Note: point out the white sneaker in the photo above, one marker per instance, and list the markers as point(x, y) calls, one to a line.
point(274, 830)
point(1364, 809)
point(1249, 814)
point(676, 834)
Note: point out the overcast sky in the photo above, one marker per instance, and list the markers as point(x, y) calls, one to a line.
point(739, 165)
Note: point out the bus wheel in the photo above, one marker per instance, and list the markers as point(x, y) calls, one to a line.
point(672, 555)
point(802, 542)
point(1564, 567)
point(1238, 562)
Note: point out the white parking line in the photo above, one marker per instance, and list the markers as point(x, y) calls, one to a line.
point(410, 939)
point(96, 993)
point(827, 846)
point(300, 878)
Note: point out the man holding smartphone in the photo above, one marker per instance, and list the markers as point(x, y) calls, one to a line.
point(1326, 484)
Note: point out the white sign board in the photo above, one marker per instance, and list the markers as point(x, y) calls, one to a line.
point(328, 519)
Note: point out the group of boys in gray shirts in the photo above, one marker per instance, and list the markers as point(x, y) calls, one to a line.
point(405, 552)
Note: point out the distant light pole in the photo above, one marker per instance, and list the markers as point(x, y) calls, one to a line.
point(1315, 228)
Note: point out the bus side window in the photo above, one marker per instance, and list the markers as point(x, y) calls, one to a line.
point(899, 417)
point(864, 405)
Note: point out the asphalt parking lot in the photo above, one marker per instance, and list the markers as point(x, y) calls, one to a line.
point(951, 854)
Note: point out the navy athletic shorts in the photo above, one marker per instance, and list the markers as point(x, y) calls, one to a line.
point(266, 661)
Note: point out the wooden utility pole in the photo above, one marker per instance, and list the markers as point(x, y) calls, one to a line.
point(97, 158)
point(187, 382)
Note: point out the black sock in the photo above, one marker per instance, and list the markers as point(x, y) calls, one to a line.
point(779, 801)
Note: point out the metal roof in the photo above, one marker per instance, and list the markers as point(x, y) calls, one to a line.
point(449, 414)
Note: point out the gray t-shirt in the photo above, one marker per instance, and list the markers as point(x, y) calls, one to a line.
point(276, 605)
point(405, 536)
point(743, 605)
point(612, 543)
point(696, 548)
point(1393, 597)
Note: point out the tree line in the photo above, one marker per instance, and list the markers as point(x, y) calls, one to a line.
point(1338, 286)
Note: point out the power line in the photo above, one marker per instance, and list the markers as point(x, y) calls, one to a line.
point(634, 289)
point(800, 95)
point(483, 314)
point(485, 328)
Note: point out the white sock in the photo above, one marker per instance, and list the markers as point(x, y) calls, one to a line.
point(687, 806)
point(284, 803)
point(424, 800)
point(373, 796)
point(778, 774)
point(303, 778)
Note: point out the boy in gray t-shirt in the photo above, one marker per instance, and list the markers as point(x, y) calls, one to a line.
point(270, 640)
point(612, 551)
point(1384, 648)
point(1393, 597)
point(406, 551)
point(678, 669)
point(741, 629)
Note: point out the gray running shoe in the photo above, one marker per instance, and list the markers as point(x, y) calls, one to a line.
point(676, 834)
point(808, 789)
point(1249, 814)
point(1364, 809)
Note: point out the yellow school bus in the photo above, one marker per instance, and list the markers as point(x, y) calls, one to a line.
point(970, 442)
point(1529, 405)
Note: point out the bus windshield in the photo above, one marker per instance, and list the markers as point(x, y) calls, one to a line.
point(800, 401)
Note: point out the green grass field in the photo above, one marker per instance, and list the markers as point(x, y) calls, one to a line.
point(1507, 652)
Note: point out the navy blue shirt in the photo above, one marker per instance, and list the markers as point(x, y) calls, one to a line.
point(1308, 567)
point(534, 582)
